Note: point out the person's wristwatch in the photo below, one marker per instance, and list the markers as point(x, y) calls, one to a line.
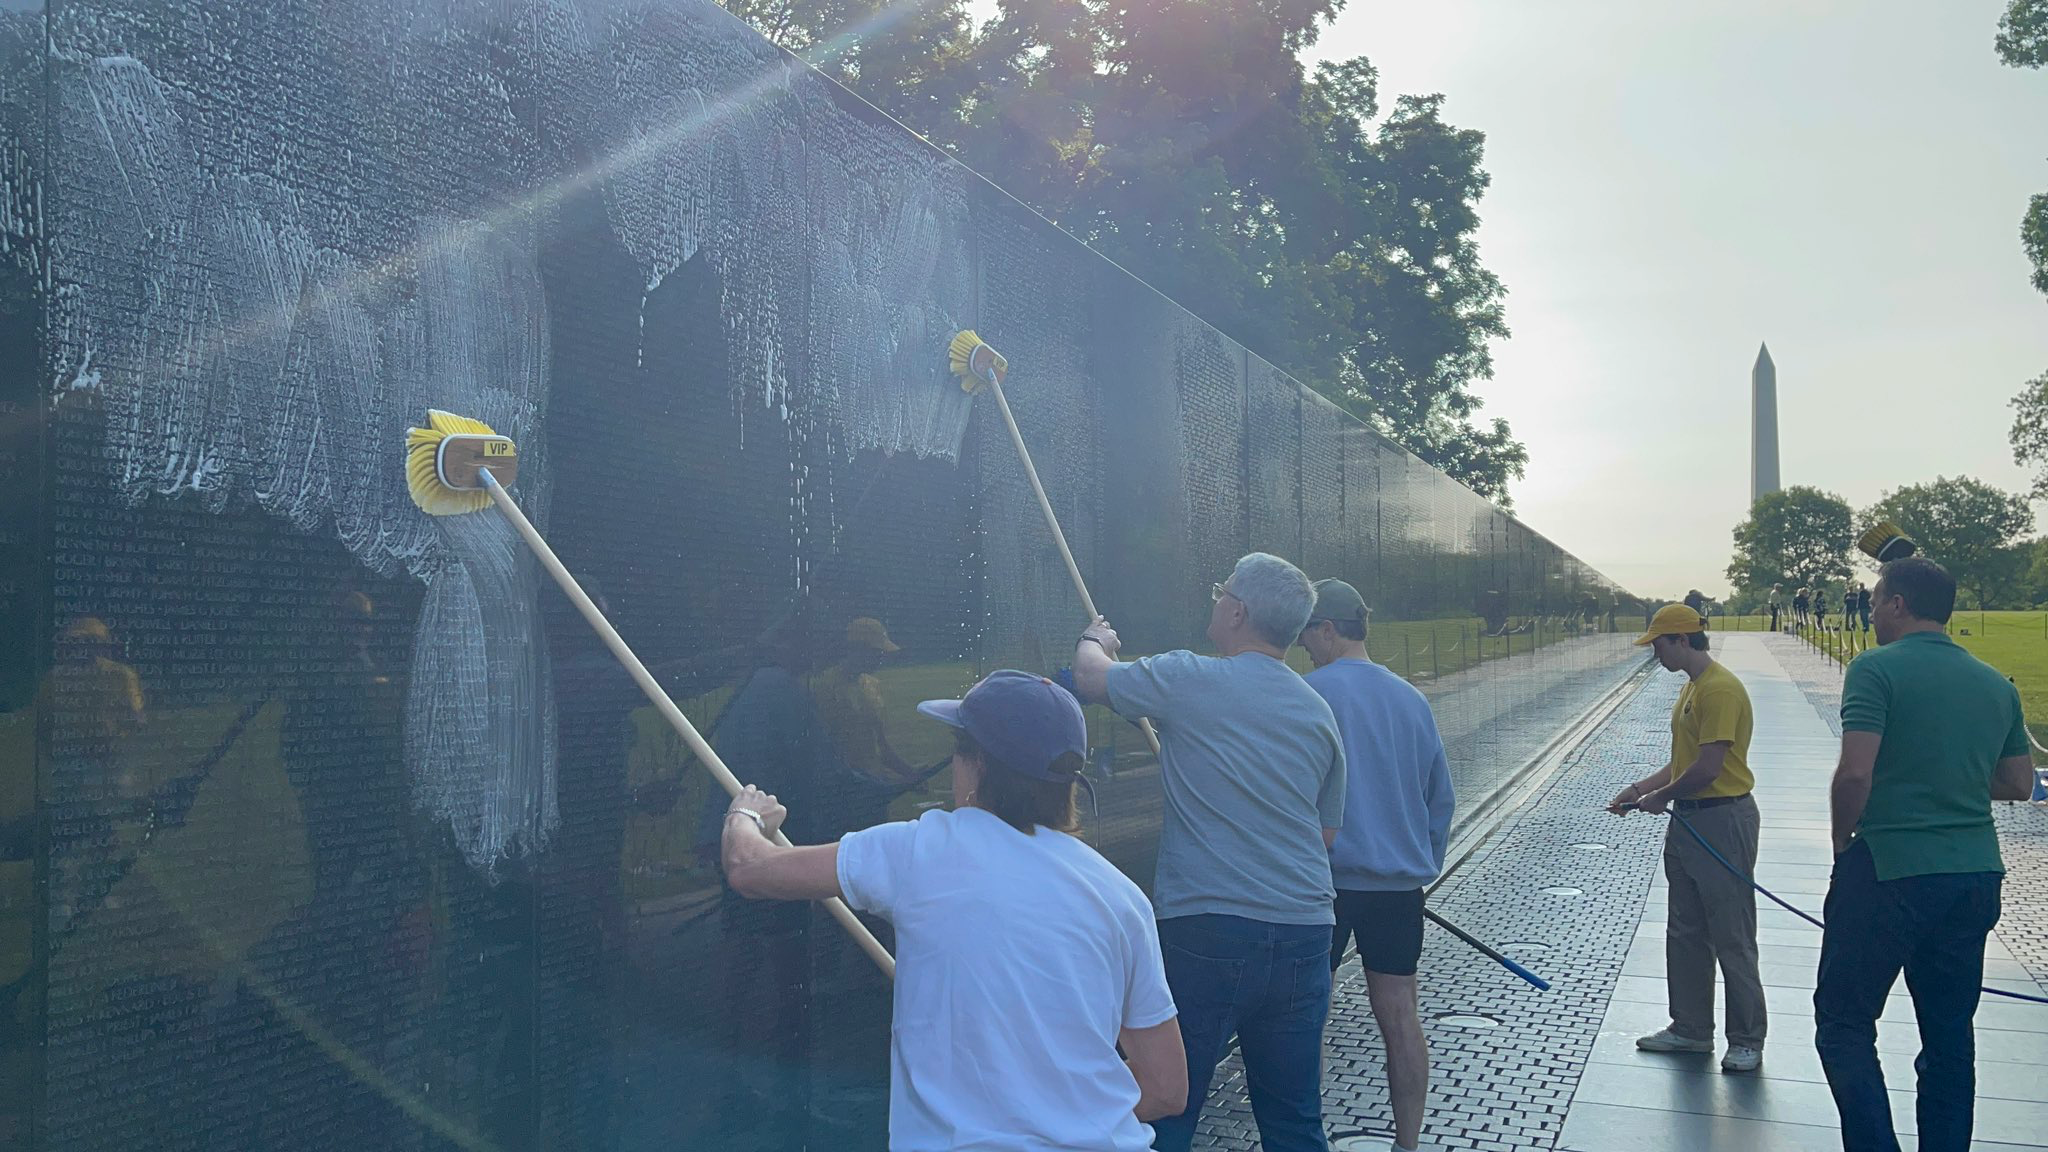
point(750, 814)
point(1095, 640)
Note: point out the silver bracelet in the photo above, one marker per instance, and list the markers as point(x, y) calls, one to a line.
point(750, 814)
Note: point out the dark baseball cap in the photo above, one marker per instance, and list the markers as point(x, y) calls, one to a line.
point(1336, 600)
point(1024, 721)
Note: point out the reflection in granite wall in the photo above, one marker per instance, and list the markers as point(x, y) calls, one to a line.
point(324, 824)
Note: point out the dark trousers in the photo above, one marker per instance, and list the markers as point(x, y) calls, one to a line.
point(1268, 985)
point(1933, 927)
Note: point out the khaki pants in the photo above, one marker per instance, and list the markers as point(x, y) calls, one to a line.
point(1712, 917)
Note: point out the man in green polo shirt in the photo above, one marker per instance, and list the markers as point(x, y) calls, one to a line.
point(1930, 737)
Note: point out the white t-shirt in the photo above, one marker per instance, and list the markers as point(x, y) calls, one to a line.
point(1018, 960)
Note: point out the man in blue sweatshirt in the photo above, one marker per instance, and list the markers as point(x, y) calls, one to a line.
point(1397, 823)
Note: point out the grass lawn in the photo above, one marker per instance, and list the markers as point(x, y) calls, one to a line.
point(2015, 643)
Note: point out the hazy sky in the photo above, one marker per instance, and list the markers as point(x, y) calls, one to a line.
point(1673, 183)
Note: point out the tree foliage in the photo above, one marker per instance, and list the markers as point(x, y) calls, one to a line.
point(2034, 587)
point(2034, 238)
point(1185, 140)
point(2029, 433)
point(2022, 42)
point(2022, 39)
point(1963, 524)
point(1797, 537)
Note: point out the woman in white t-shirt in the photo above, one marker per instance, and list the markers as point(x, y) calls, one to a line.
point(1024, 959)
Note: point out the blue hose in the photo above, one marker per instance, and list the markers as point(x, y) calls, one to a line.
point(1540, 983)
point(1813, 920)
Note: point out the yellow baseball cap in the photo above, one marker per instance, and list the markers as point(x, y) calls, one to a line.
point(1673, 620)
point(867, 632)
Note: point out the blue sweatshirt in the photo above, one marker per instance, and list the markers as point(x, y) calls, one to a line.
point(1397, 797)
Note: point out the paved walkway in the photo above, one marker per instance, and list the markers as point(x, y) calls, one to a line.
point(1625, 1096)
point(1579, 896)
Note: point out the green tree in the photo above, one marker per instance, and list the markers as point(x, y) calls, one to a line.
point(2029, 434)
point(1798, 537)
point(2034, 585)
point(2022, 39)
point(1964, 524)
point(2013, 575)
point(913, 61)
point(2034, 238)
point(1421, 307)
point(1185, 140)
point(2022, 42)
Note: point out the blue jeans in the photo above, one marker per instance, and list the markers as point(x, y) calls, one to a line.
point(1933, 927)
point(1268, 985)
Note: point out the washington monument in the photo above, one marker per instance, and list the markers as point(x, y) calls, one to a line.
point(1763, 426)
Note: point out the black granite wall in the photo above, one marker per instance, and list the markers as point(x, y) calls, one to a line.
point(324, 824)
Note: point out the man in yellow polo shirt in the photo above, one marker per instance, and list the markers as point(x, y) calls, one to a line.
point(1712, 914)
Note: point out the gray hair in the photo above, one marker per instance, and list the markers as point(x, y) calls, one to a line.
point(1276, 595)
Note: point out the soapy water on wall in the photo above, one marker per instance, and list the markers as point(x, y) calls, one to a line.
point(254, 333)
point(842, 245)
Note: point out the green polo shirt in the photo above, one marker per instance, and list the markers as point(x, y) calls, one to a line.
point(1947, 718)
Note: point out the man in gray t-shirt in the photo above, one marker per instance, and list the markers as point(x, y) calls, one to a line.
point(1252, 767)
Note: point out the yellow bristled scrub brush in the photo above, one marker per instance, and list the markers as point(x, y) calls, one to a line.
point(445, 463)
point(979, 366)
point(456, 465)
point(1885, 543)
point(975, 363)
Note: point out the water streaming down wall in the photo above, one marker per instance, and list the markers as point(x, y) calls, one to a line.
point(326, 824)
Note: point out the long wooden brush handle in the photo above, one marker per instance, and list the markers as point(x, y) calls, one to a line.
point(1053, 522)
point(667, 707)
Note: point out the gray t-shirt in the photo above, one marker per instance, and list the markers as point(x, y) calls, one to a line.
point(1253, 770)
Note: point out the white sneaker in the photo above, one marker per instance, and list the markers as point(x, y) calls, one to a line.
point(1741, 1059)
point(1665, 1040)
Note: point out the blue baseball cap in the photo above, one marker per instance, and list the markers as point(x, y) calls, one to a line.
point(1027, 722)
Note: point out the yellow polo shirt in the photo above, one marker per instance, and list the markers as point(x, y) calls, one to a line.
point(1712, 709)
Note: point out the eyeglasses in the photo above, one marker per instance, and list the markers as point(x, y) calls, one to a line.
point(1217, 592)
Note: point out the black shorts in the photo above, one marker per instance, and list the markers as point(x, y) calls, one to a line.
point(1387, 926)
